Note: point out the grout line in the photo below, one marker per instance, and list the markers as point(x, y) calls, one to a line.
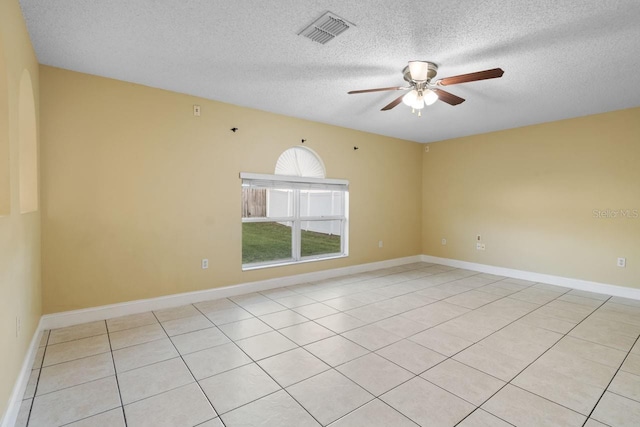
point(537, 358)
point(374, 352)
point(188, 368)
point(94, 415)
point(75, 385)
point(381, 401)
point(115, 373)
point(515, 376)
point(129, 330)
point(371, 323)
point(479, 408)
point(503, 297)
point(269, 375)
point(77, 358)
point(78, 339)
point(132, 327)
point(86, 382)
point(610, 381)
point(35, 390)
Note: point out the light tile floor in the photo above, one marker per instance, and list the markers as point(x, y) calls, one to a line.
point(420, 344)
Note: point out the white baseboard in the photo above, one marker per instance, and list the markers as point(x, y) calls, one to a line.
point(75, 317)
point(583, 285)
point(13, 408)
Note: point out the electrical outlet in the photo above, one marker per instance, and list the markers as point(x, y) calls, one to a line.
point(380, 244)
point(444, 242)
point(426, 149)
point(480, 246)
point(196, 110)
point(622, 262)
point(205, 263)
point(478, 237)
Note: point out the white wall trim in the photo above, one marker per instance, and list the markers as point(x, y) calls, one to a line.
point(69, 318)
point(583, 285)
point(13, 408)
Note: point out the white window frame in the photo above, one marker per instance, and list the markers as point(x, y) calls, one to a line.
point(296, 184)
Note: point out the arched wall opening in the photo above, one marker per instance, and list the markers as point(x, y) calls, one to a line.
point(28, 142)
point(5, 178)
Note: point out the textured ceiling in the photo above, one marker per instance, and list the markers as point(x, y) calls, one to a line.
point(562, 58)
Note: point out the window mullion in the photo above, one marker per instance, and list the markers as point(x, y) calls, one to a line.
point(323, 218)
point(268, 219)
point(296, 234)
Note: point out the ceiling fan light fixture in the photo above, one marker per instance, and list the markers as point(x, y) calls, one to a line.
point(430, 97)
point(410, 98)
point(418, 104)
point(419, 70)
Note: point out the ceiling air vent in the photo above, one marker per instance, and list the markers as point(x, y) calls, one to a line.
point(326, 28)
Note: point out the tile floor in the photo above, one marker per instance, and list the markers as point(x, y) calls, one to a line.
point(419, 344)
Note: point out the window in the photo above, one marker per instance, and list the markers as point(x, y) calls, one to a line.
point(289, 219)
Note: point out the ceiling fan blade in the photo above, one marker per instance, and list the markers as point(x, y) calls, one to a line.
point(378, 90)
point(472, 77)
point(393, 103)
point(447, 97)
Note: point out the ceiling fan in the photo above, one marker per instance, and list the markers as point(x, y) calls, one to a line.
point(424, 90)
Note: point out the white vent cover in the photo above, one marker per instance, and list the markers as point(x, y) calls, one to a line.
point(326, 28)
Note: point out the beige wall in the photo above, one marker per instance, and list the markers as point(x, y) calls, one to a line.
point(19, 233)
point(531, 192)
point(136, 190)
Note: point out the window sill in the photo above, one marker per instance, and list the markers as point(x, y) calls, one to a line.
point(259, 266)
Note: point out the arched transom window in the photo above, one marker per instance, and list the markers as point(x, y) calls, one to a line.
point(300, 161)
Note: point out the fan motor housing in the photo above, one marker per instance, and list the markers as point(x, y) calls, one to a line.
point(433, 70)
